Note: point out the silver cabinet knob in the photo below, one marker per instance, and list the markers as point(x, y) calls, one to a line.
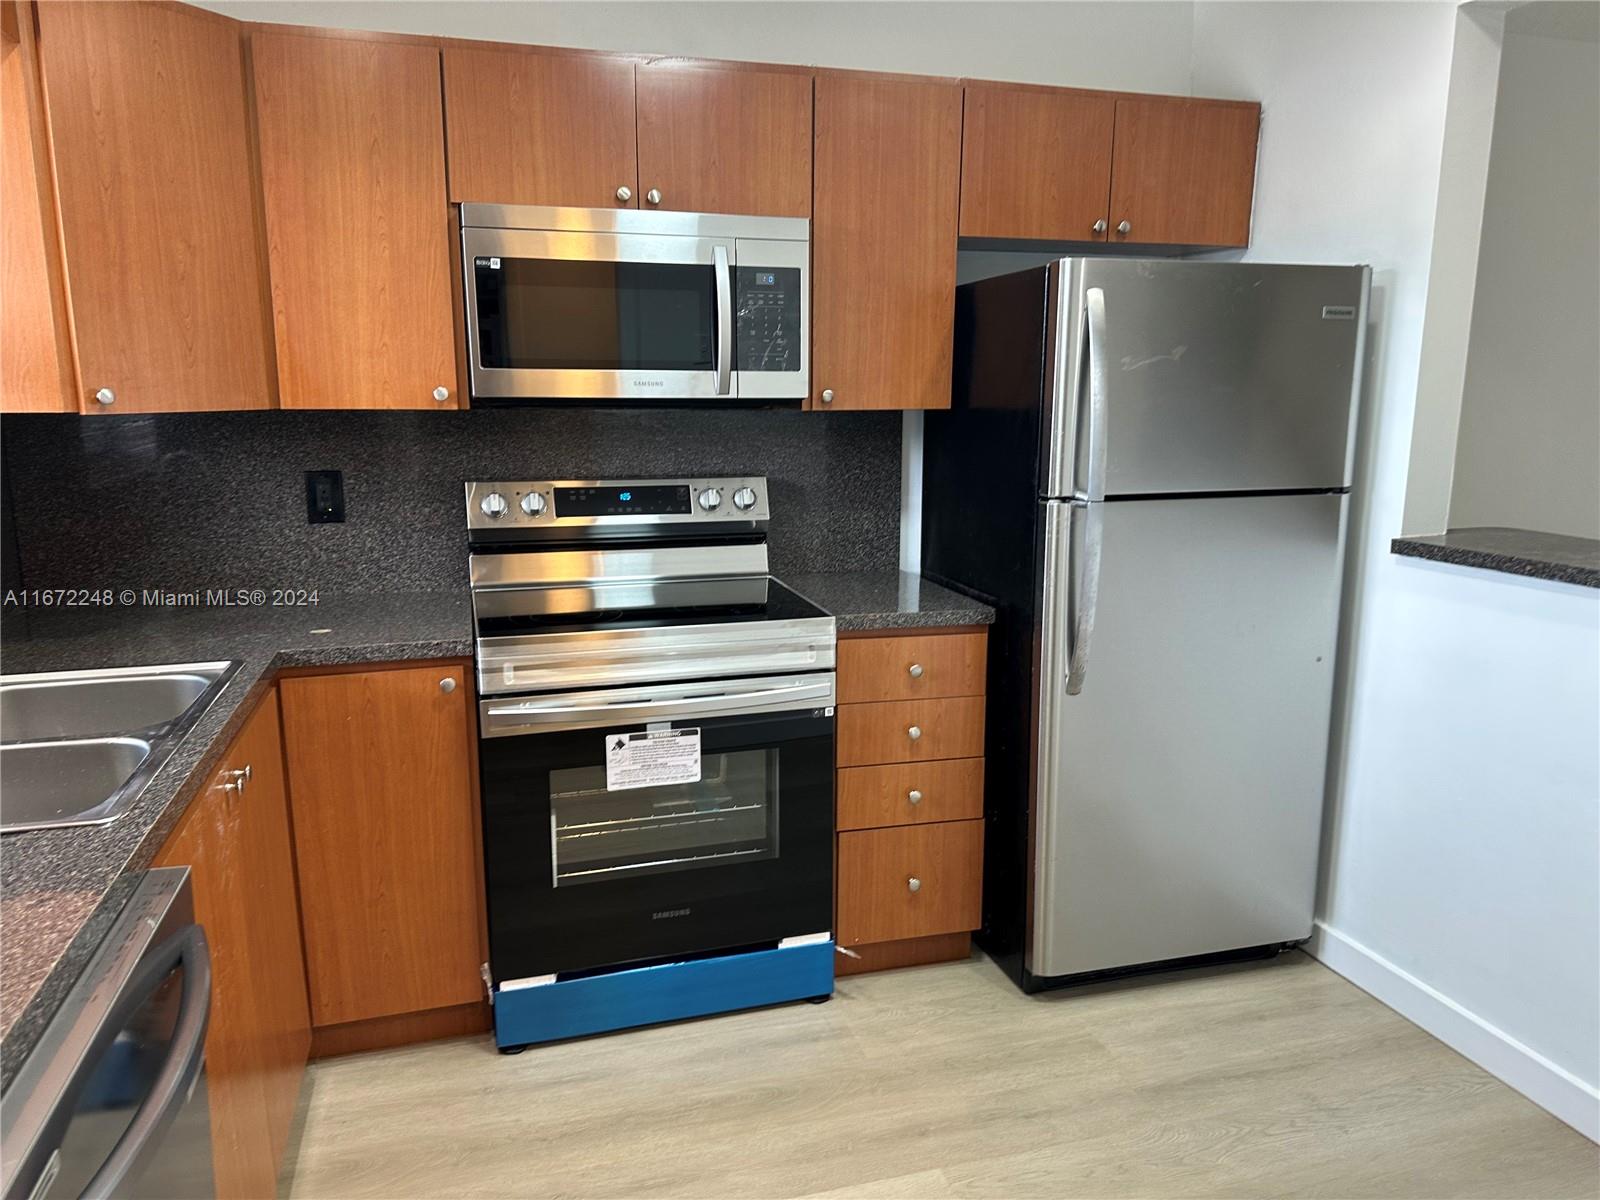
point(624, 193)
point(232, 788)
point(106, 396)
point(243, 774)
point(914, 884)
point(653, 195)
point(447, 685)
point(914, 795)
point(914, 732)
point(1123, 227)
point(915, 670)
point(441, 394)
point(493, 506)
point(1099, 226)
point(827, 395)
point(533, 504)
point(744, 498)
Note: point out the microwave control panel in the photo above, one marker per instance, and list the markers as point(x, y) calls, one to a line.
point(767, 318)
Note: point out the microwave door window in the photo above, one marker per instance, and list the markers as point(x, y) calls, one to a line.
point(566, 314)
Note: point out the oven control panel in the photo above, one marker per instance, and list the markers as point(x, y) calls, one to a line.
point(603, 507)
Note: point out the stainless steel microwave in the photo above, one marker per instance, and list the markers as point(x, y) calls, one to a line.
point(635, 307)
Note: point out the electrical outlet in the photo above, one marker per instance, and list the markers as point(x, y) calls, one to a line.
point(324, 497)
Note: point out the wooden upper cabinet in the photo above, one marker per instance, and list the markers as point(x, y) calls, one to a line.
point(534, 128)
point(1184, 171)
point(884, 230)
point(358, 228)
point(35, 354)
point(1035, 163)
point(728, 141)
point(385, 823)
point(147, 110)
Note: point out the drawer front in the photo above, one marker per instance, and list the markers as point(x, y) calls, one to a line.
point(910, 793)
point(909, 668)
point(910, 731)
point(911, 881)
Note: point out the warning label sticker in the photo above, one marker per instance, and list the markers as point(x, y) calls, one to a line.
point(651, 758)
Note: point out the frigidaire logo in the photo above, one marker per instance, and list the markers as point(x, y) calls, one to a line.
point(670, 912)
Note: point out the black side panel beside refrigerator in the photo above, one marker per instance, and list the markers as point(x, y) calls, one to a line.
point(981, 534)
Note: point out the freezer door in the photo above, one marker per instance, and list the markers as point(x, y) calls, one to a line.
point(1180, 772)
point(1216, 377)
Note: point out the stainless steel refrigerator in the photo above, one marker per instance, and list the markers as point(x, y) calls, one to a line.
point(1146, 467)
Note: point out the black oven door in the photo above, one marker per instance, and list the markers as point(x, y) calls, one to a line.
point(595, 859)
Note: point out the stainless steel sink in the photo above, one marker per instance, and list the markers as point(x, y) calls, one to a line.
point(66, 783)
point(79, 747)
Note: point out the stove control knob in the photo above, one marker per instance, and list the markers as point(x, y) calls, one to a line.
point(533, 504)
point(493, 506)
point(744, 498)
point(711, 499)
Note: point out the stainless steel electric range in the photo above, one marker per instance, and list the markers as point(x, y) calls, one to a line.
point(656, 748)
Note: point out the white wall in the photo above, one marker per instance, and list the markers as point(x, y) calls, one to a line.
point(1097, 43)
point(1530, 410)
point(1460, 880)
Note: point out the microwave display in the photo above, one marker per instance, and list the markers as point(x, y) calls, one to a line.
point(767, 331)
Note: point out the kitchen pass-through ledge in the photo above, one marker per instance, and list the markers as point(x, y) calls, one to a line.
point(1512, 551)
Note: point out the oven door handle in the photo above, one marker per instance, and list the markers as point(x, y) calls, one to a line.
point(719, 257)
point(555, 716)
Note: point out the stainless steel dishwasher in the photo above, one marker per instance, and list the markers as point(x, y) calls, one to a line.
point(112, 1100)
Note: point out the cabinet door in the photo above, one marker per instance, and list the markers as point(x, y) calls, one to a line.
point(888, 167)
point(385, 833)
point(1035, 163)
point(728, 141)
point(1183, 171)
point(273, 915)
point(210, 843)
point(525, 127)
point(158, 219)
point(358, 229)
point(35, 357)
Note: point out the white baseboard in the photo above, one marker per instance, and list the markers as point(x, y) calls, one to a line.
point(1548, 1085)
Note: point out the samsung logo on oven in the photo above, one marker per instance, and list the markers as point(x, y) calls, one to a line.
point(649, 383)
point(665, 913)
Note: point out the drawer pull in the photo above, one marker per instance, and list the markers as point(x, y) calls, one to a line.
point(914, 884)
point(914, 732)
point(916, 670)
point(914, 795)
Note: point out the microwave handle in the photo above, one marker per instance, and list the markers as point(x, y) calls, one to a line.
point(719, 258)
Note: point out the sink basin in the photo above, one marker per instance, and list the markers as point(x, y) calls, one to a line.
point(67, 783)
point(76, 704)
point(79, 747)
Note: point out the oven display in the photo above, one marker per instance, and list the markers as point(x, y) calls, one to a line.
point(622, 501)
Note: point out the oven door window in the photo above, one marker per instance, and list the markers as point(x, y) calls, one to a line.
point(729, 816)
point(585, 315)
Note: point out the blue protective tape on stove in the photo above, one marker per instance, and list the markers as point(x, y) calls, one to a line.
point(670, 992)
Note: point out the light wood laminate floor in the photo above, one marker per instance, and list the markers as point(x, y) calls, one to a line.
point(1271, 1080)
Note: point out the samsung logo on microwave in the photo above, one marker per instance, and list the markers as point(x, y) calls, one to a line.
point(667, 913)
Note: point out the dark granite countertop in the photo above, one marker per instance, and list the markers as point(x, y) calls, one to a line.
point(60, 889)
point(864, 600)
point(1513, 551)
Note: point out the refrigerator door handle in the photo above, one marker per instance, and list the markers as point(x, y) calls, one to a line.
point(1083, 588)
point(1094, 317)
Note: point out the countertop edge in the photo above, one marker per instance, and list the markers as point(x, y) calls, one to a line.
point(1497, 561)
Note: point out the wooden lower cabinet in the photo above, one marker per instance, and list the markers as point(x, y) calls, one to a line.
point(909, 810)
point(910, 881)
point(386, 833)
point(235, 838)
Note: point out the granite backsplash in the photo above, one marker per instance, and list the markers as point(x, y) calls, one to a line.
point(194, 500)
